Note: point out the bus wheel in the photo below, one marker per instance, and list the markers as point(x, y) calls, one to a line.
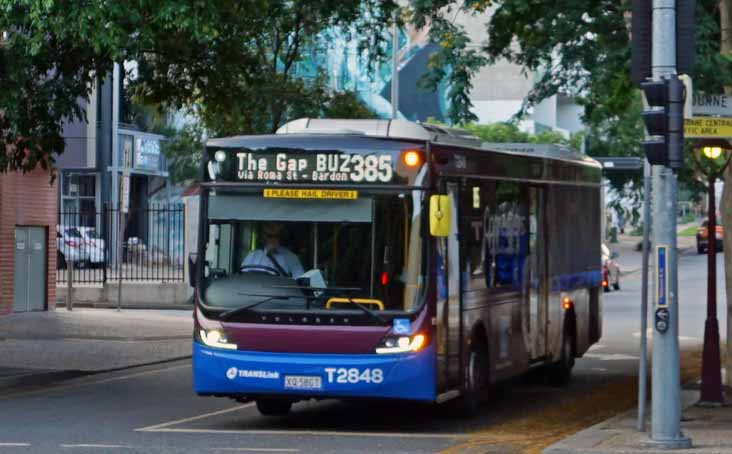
point(474, 381)
point(273, 406)
point(560, 372)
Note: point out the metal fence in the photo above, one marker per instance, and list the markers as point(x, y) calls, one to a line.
point(150, 250)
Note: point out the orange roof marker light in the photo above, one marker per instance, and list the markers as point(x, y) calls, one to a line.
point(411, 158)
point(567, 303)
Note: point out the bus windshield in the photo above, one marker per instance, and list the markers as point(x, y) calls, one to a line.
point(277, 253)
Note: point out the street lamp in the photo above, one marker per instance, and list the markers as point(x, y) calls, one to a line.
point(712, 152)
point(711, 383)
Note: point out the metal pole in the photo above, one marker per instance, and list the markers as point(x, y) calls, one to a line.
point(394, 71)
point(119, 258)
point(711, 380)
point(666, 387)
point(115, 148)
point(643, 362)
point(69, 285)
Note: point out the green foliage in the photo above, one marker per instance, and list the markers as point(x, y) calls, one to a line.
point(183, 148)
point(581, 49)
point(183, 151)
point(346, 105)
point(234, 59)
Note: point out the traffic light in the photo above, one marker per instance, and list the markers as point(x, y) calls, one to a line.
point(664, 121)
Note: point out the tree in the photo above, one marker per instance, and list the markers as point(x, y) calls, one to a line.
point(234, 59)
point(183, 148)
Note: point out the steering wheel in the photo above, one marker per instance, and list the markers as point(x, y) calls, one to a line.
point(260, 269)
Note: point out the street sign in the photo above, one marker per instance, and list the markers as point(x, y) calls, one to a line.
point(703, 104)
point(619, 163)
point(125, 194)
point(707, 127)
point(662, 275)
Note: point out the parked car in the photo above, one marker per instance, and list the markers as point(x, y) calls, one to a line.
point(702, 237)
point(94, 244)
point(610, 269)
point(70, 246)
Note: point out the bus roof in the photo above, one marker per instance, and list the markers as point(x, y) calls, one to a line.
point(408, 130)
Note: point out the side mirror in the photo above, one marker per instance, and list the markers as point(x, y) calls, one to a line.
point(439, 215)
point(614, 255)
point(192, 269)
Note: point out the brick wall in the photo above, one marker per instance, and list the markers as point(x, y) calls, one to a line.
point(26, 200)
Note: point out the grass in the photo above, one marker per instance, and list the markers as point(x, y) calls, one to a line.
point(689, 231)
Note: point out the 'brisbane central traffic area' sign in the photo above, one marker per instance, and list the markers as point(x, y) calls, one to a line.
point(708, 127)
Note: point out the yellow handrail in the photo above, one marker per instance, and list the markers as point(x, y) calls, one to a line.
point(373, 302)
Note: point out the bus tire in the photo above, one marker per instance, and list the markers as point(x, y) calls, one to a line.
point(269, 406)
point(560, 373)
point(475, 379)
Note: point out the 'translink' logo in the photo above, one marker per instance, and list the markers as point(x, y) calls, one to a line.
point(232, 373)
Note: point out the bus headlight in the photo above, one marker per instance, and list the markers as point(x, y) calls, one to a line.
point(215, 338)
point(402, 344)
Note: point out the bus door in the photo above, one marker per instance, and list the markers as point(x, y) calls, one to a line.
point(538, 285)
point(448, 299)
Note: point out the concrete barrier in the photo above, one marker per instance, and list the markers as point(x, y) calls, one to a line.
point(138, 293)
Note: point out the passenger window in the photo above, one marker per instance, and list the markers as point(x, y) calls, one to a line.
point(506, 236)
point(478, 199)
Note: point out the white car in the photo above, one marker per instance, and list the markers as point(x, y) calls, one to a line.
point(71, 246)
point(94, 244)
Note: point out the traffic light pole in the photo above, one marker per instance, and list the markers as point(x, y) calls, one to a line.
point(666, 386)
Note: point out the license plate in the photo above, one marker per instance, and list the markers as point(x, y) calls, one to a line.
point(303, 382)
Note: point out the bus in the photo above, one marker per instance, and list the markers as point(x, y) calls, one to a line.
point(393, 260)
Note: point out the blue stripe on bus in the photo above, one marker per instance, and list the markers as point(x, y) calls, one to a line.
point(404, 376)
point(574, 281)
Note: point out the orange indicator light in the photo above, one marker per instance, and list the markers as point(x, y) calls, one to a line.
point(411, 158)
point(566, 303)
point(417, 342)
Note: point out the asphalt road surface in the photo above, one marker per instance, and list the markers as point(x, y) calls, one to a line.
point(153, 410)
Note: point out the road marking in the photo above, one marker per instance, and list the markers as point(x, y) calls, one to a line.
point(329, 433)
point(92, 382)
point(10, 445)
point(156, 427)
point(94, 445)
point(256, 449)
point(610, 356)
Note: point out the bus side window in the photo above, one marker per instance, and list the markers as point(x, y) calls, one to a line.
point(478, 199)
point(506, 236)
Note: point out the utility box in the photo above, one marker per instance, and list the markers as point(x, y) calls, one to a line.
point(30, 269)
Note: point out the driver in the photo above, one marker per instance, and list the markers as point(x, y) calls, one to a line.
point(273, 256)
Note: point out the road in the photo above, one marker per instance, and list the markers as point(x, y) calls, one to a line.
point(153, 410)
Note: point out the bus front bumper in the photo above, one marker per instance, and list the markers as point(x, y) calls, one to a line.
point(409, 376)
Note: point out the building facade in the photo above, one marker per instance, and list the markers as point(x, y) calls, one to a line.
point(101, 153)
point(28, 207)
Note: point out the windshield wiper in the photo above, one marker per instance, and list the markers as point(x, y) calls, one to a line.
point(319, 289)
point(366, 310)
point(267, 298)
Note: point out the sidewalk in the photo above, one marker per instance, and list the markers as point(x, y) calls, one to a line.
point(39, 347)
point(710, 430)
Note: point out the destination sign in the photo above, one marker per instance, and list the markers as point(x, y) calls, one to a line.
point(315, 167)
point(708, 127)
point(333, 194)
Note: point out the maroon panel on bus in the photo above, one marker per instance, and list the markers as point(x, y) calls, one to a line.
point(305, 339)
